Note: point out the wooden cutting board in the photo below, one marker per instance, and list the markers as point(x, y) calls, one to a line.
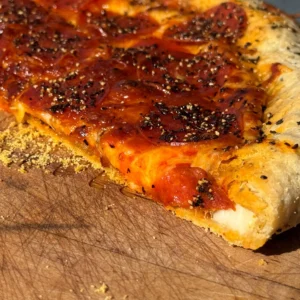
point(60, 238)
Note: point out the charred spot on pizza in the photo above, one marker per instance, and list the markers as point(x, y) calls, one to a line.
point(227, 22)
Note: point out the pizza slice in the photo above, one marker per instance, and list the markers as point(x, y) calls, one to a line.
point(193, 104)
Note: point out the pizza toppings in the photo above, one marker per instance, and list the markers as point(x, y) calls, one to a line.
point(173, 70)
point(112, 26)
point(187, 123)
point(227, 22)
point(188, 187)
point(45, 47)
point(22, 12)
point(104, 74)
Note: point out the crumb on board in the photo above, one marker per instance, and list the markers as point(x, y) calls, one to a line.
point(22, 169)
point(103, 288)
point(262, 262)
point(24, 146)
point(109, 206)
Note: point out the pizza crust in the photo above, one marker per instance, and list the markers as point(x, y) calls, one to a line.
point(264, 181)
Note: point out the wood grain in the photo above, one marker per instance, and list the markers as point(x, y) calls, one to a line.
point(60, 239)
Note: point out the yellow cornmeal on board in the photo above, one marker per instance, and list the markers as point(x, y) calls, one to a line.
point(23, 145)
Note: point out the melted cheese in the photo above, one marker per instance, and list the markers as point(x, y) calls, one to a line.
point(240, 219)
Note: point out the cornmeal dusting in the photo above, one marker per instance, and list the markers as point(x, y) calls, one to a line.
point(103, 288)
point(262, 262)
point(24, 146)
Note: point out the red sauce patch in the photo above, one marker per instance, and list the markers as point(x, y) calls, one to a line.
point(188, 187)
point(275, 72)
point(228, 22)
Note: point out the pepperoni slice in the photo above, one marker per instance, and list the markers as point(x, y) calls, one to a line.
point(77, 94)
point(112, 26)
point(21, 12)
point(171, 70)
point(188, 123)
point(188, 187)
point(62, 5)
point(227, 21)
point(53, 44)
point(40, 42)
